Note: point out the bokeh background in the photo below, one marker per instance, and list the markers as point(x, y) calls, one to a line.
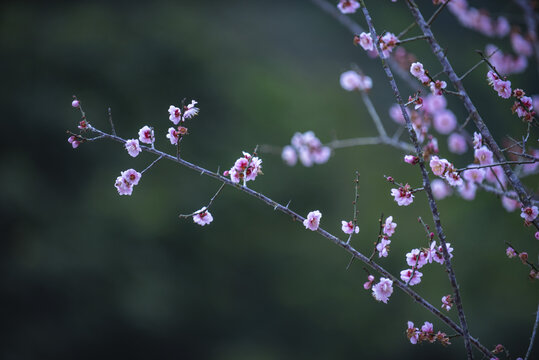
point(86, 273)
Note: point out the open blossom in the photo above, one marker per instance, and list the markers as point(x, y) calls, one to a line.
point(175, 114)
point(289, 155)
point(467, 190)
point(145, 135)
point(509, 203)
point(367, 285)
point(417, 70)
point(351, 80)
point(416, 258)
point(173, 135)
point(537, 235)
point(202, 217)
point(453, 177)
point(427, 327)
point(503, 88)
point(366, 42)
point(388, 43)
point(123, 187)
point(433, 103)
point(411, 277)
point(73, 141)
point(483, 155)
point(383, 290)
point(246, 168)
point(412, 333)
point(313, 220)
point(131, 176)
point(457, 144)
point(190, 110)
point(383, 247)
point(308, 148)
point(389, 226)
point(403, 196)
point(348, 6)
point(348, 227)
point(447, 302)
point(477, 140)
point(445, 121)
point(529, 213)
point(440, 190)
point(439, 166)
point(438, 255)
point(437, 87)
point(133, 147)
point(474, 175)
point(520, 45)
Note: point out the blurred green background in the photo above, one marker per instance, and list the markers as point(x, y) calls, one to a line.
point(86, 273)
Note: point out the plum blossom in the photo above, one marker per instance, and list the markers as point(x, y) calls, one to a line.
point(529, 213)
point(503, 88)
point(433, 103)
point(411, 159)
point(438, 255)
point(412, 333)
point(438, 87)
point(477, 140)
point(308, 148)
point(537, 235)
point(131, 176)
point(427, 327)
point(509, 203)
point(366, 42)
point(411, 277)
point(396, 114)
point(145, 135)
point(383, 247)
point(520, 45)
point(457, 144)
point(483, 155)
point(175, 114)
point(467, 190)
point(447, 302)
point(202, 217)
point(510, 252)
point(313, 220)
point(123, 187)
point(417, 70)
point(440, 190)
point(439, 166)
point(383, 290)
point(348, 6)
point(416, 258)
point(389, 226)
point(73, 141)
point(367, 285)
point(351, 80)
point(246, 168)
point(289, 155)
point(348, 227)
point(388, 43)
point(403, 196)
point(474, 174)
point(133, 147)
point(75, 103)
point(173, 135)
point(190, 110)
point(445, 121)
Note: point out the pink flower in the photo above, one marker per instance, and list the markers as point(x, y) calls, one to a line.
point(246, 168)
point(389, 226)
point(432, 104)
point(369, 282)
point(447, 302)
point(445, 121)
point(440, 190)
point(83, 125)
point(383, 290)
point(73, 141)
point(133, 147)
point(131, 176)
point(173, 136)
point(437, 87)
point(396, 114)
point(175, 114)
point(412, 333)
point(453, 178)
point(483, 155)
point(417, 70)
point(474, 175)
point(289, 155)
point(123, 187)
point(75, 103)
point(366, 42)
point(491, 77)
point(313, 220)
point(351, 80)
point(495, 175)
point(403, 196)
point(202, 217)
point(348, 227)
point(190, 110)
point(439, 257)
point(348, 6)
point(411, 277)
point(477, 140)
point(416, 259)
point(427, 327)
point(537, 235)
point(503, 88)
point(438, 166)
point(145, 135)
point(520, 45)
point(529, 213)
point(457, 144)
point(510, 204)
point(383, 247)
point(467, 190)
point(411, 159)
point(387, 43)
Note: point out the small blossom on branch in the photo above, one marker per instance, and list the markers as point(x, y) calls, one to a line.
point(73, 140)
point(529, 213)
point(383, 290)
point(510, 252)
point(367, 285)
point(123, 187)
point(416, 258)
point(131, 176)
point(437, 87)
point(403, 196)
point(447, 302)
point(246, 168)
point(366, 41)
point(440, 189)
point(175, 114)
point(75, 103)
point(457, 144)
point(312, 222)
point(133, 147)
point(351, 80)
point(202, 217)
point(348, 227)
point(389, 226)
point(383, 247)
point(483, 155)
point(348, 6)
point(173, 135)
point(308, 148)
point(411, 276)
point(190, 110)
point(477, 140)
point(411, 159)
point(146, 135)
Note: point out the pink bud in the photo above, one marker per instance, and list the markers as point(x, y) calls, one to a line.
point(389, 178)
point(75, 103)
point(523, 257)
point(537, 235)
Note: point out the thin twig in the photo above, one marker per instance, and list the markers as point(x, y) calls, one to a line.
point(437, 12)
point(532, 338)
point(111, 123)
point(152, 164)
point(207, 206)
point(498, 164)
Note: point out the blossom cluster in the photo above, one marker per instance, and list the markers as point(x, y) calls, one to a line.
point(436, 86)
point(523, 105)
point(479, 19)
point(506, 63)
point(388, 230)
point(426, 333)
point(417, 258)
point(245, 169)
point(387, 43)
point(351, 80)
point(125, 182)
point(308, 148)
point(403, 195)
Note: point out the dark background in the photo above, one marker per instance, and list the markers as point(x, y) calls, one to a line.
point(86, 273)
